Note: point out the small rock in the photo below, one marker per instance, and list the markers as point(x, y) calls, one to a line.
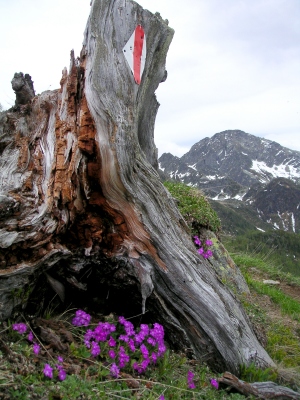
point(270, 282)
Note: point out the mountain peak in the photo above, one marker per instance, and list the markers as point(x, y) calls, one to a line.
point(236, 155)
point(233, 164)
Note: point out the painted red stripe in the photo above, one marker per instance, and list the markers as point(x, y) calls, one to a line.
point(137, 53)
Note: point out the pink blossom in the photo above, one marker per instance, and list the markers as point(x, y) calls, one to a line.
point(114, 370)
point(48, 371)
point(190, 380)
point(20, 328)
point(62, 374)
point(81, 318)
point(36, 348)
point(214, 383)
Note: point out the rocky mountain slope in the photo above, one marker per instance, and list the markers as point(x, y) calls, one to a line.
point(255, 179)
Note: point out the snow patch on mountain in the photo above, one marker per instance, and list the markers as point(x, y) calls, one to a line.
point(161, 167)
point(282, 170)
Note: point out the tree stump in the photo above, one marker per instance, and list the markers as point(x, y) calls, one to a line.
point(81, 198)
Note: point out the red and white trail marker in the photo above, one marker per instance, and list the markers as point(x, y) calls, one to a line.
point(135, 53)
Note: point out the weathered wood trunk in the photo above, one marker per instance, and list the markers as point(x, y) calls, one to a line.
point(81, 199)
point(260, 390)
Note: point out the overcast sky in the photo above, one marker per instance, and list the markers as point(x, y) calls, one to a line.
point(233, 64)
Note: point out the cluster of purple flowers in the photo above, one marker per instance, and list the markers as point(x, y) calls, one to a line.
point(81, 318)
point(147, 344)
point(214, 384)
point(203, 249)
point(21, 328)
point(61, 373)
point(190, 380)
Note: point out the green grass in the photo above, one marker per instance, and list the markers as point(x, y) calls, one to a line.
point(92, 381)
point(21, 372)
point(287, 304)
point(194, 207)
point(277, 247)
point(283, 343)
point(272, 269)
point(253, 374)
point(283, 346)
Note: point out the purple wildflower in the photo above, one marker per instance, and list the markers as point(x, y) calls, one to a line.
point(30, 336)
point(89, 335)
point(214, 383)
point(129, 328)
point(103, 330)
point(145, 363)
point(124, 338)
point(114, 370)
point(161, 397)
point(48, 371)
point(112, 342)
point(144, 351)
point(20, 328)
point(190, 380)
point(197, 241)
point(131, 345)
point(208, 243)
point(123, 357)
point(145, 329)
point(208, 254)
point(61, 374)
point(157, 332)
point(95, 350)
point(81, 318)
point(151, 341)
point(201, 251)
point(161, 349)
point(60, 359)
point(141, 368)
point(139, 338)
point(111, 354)
point(157, 337)
point(138, 368)
point(36, 348)
point(154, 358)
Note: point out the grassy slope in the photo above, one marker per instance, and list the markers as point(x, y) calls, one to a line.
point(274, 311)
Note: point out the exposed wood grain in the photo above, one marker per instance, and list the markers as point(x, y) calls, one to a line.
point(261, 390)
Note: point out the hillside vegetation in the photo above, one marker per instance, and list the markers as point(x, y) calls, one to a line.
point(277, 247)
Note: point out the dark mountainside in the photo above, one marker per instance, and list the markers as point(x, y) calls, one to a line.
point(256, 178)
